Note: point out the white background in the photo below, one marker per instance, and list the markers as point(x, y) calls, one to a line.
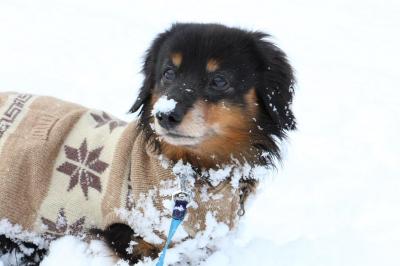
point(336, 198)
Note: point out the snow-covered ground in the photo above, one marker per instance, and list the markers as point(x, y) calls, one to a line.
point(336, 199)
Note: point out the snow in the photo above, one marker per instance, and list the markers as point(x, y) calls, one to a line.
point(16, 232)
point(335, 199)
point(144, 222)
point(217, 176)
point(163, 106)
point(70, 250)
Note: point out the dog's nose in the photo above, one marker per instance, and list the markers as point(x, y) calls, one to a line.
point(170, 120)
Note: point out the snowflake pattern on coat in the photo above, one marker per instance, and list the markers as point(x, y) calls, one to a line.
point(105, 119)
point(61, 226)
point(84, 167)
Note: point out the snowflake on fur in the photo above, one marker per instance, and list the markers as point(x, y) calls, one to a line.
point(83, 167)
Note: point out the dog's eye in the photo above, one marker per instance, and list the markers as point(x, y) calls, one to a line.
point(219, 83)
point(169, 74)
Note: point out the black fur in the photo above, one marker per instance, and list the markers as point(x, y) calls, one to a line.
point(24, 253)
point(119, 237)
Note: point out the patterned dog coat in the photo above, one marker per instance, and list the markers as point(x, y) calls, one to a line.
point(65, 168)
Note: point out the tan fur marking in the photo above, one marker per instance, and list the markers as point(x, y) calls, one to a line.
point(233, 126)
point(176, 59)
point(212, 65)
point(144, 249)
point(251, 100)
point(193, 127)
point(232, 137)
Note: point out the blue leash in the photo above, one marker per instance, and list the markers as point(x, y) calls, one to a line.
point(178, 214)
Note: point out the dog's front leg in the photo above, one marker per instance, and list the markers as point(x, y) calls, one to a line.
point(122, 239)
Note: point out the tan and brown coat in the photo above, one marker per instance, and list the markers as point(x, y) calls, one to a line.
point(65, 168)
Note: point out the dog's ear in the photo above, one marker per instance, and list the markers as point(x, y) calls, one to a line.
point(149, 71)
point(276, 82)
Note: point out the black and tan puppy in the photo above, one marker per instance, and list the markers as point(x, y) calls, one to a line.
point(233, 91)
point(212, 97)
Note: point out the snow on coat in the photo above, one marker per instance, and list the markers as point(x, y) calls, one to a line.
point(65, 168)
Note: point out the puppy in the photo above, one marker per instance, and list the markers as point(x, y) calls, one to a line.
point(213, 98)
point(232, 92)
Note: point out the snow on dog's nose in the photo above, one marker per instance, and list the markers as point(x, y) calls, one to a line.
point(178, 124)
point(166, 113)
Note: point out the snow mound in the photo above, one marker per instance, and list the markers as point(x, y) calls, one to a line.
point(70, 250)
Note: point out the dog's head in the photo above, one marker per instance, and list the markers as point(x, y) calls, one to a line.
point(213, 93)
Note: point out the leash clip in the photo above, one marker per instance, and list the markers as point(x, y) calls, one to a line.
point(181, 200)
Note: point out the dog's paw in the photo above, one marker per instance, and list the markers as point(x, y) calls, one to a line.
point(128, 246)
point(139, 249)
